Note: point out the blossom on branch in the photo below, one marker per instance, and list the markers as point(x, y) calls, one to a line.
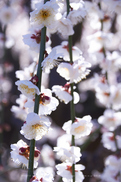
point(110, 119)
point(64, 93)
point(45, 15)
point(20, 153)
point(80, 128)
point(68, 153)
point(65, 170)
point(77, 13)
point(47, 103)
point(35, 126)
point(50, 61)
point(27, 88)
point(74, 72)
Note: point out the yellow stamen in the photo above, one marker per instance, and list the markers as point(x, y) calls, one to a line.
point(37, 126)
point(27, 89)
point(43, 14)
point(79, 129)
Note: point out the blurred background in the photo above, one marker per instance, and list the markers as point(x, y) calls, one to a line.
point(15, 55)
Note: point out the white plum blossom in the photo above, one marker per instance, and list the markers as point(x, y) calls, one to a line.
point(115, 95)
point(113, 6)
point(64, 141)
point(65, 171)
point(20, 111)
point(47, 102)
point(110, 119)
point(113, 162)
point(103, 94)
point(20, 153)
point(64, 94)
point(112, 169)
point(65, 27)
point(77, 13)
point(27, 73)
point(112, 62)
point(7, 15)
point(45, 15)
point(46, 174)
point(47, 155)
point(35, 126)
point(50, 61)
point(80, 128)
point(63, 49)
point(74, 72)
point(27, 88)
point(109, 141)
point(98, 41)
point(33, 40)
point(68, 153)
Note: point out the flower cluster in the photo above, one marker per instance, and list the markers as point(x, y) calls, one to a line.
point(36, 101)
point(88, 63)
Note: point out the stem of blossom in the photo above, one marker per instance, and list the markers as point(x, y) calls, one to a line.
point(39, 71)
point(72, 109)
point(37, 98)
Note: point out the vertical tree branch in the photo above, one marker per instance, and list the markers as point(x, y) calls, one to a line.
point(72, 109)
point(37, 98)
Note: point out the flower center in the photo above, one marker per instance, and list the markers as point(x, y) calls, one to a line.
point(24, 151)
point(7, 15)
point(27, 89)
point(44, 99)
point(36, 126)
point(66, 87)
point(112, 119)
point(43, 14)
point(69, 168)
point(79, 129)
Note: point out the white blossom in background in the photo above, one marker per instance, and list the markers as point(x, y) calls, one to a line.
point(98, 41)
point(94, 15)
point(115, 91)
point(20, 153)
point(74, 72)
point(27, 73)
point(47, 102)
point(35, 126)
point(27, 88)
point(47, 155)
point(45, 15)
point(65, 27)
point(20, 111)
point(80, 128)
point(110, 119)
point(65, 171)
point(103, 94)
point(77, 13)
point(112, 169)
point(108, 140)
point(113, 6)
point(68, 153)
point(7, 15)
point(112, 62)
